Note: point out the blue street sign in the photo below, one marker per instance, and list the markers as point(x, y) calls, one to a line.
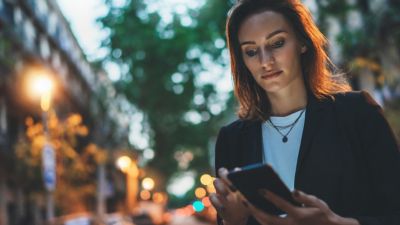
point(49, 167)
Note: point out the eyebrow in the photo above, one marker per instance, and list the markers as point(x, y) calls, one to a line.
point(268, 36)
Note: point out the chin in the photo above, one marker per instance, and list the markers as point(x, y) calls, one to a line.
point(271, 88)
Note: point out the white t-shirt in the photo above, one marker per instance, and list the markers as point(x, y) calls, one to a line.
point(280, 155)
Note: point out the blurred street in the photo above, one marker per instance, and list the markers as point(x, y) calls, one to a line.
point(144, 219)
point(187, 220)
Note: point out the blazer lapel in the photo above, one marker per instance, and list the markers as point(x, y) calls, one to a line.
point(252, 143)
point(252, 136)
point(311, 125)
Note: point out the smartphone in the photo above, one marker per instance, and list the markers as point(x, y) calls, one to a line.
point(253, 178)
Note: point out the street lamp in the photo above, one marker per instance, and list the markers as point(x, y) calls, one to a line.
point(42, 86)
point(129, 167)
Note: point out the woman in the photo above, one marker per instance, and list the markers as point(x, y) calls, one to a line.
point(331, 146)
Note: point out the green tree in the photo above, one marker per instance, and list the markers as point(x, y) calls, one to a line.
point(375, 40)
point(164, 61)
point(75, 167)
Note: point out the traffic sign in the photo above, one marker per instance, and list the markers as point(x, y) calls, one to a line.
point(49, 167)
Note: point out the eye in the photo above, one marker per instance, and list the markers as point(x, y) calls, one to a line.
point(278, 44)
point(251, 53)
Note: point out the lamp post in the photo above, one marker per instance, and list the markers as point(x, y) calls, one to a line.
point(129, 167)
point(43, 86)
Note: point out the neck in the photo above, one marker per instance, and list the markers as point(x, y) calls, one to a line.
point(288, 101)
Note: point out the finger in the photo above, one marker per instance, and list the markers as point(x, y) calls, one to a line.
point(239, 196)
point(222, 193)
point(220, 187)
point(308, 200)
point(279, 202)
point(216, 202)
point(223, 174)
point(263, 217)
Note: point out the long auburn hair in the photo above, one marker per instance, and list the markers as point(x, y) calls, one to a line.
point(315, 63)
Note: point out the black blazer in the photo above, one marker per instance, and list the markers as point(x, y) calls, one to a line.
point(348, 157)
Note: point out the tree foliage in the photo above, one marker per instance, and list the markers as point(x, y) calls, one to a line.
point(369, 32)
point(164, 61)
point(75, 167)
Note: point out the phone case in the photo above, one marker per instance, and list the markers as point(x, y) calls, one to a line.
point(251, 179)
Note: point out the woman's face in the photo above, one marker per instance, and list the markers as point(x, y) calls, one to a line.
point(271, 52)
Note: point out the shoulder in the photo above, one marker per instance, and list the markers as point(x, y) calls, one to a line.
point(239, 126)
point(358, 107)
point(360, 100)
point(236, 129)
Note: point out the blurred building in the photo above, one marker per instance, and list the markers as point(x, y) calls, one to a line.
point(372, 52)
point(35, 33)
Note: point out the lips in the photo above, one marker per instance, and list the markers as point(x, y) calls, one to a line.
point(271, 74)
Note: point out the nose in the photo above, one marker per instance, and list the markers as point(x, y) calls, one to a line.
point(266, 59)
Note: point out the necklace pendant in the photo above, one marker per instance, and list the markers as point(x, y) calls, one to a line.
point(284, 139)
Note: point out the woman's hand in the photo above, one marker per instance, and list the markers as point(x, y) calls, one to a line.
point(227, 202)
point(314, 212)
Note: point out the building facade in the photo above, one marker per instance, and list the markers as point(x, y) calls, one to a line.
point(34, 33)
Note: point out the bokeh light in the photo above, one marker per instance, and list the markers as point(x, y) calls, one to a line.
point(198, 206)
point(206, 179)
point(200, 192)
point(210, 188)
point(145, 195)
point(148, 183)
point(158, 198)
point(123, 163)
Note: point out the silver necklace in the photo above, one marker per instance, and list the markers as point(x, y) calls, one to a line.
point(279, 128)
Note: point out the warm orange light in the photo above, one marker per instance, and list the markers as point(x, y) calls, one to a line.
point(42, 86)
point(123, 163)
point(145, 195)
point(45, 102)
point(206, 179)
point(200, 192)
point(148, 183)
point(210, 188)
point(158, 197)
